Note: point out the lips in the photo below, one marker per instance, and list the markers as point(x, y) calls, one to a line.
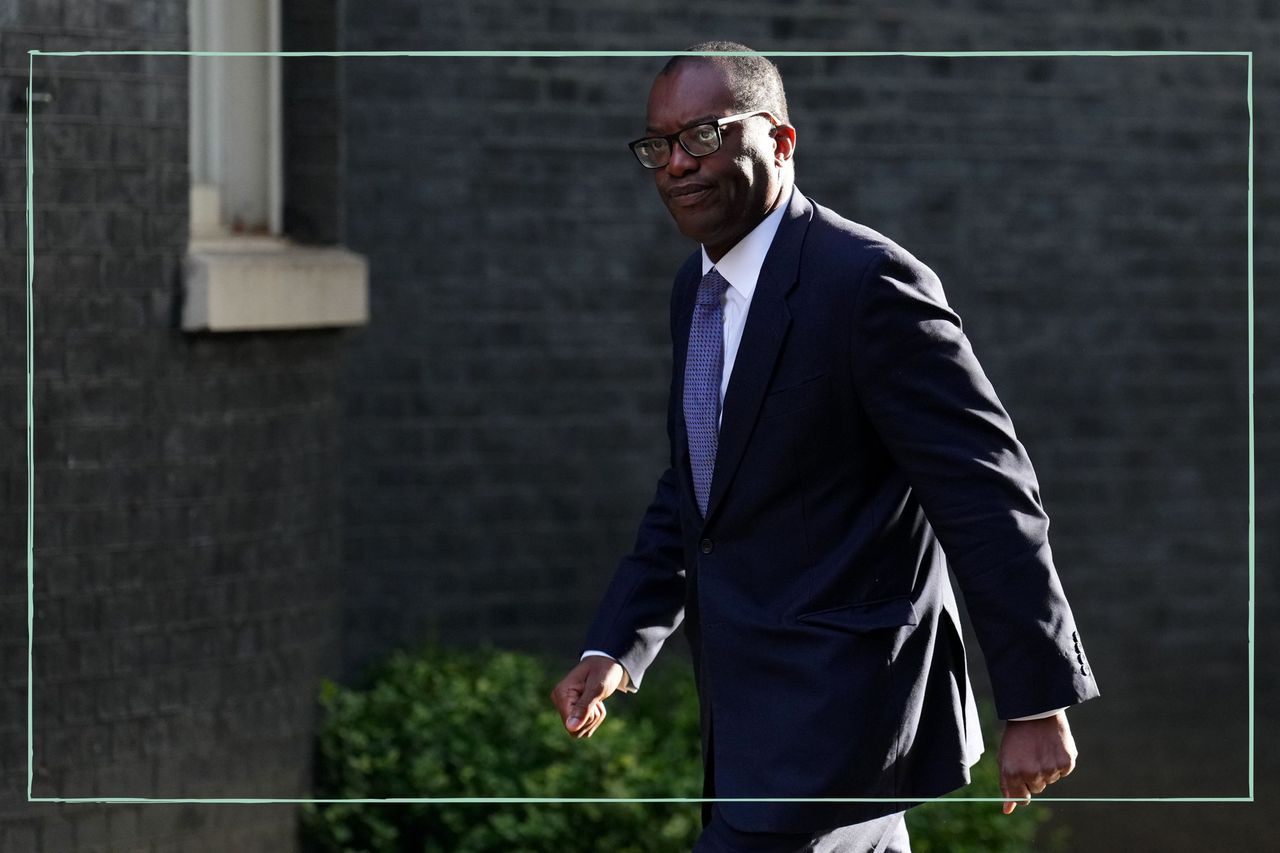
point(687, 195)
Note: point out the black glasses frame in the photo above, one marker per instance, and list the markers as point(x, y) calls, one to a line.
point(673, 138)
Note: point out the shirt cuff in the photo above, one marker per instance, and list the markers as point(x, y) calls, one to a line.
point(625, 686)
point(1040, 716)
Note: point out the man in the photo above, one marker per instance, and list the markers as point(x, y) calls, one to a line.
point(832, 434)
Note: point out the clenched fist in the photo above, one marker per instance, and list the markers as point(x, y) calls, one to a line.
point(1033, 755)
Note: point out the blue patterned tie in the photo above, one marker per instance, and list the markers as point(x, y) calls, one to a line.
point(702, 371)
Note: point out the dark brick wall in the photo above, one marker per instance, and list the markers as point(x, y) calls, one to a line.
point(313, 138)
point(502, 330)
point(1087, 215)
point(186, 486)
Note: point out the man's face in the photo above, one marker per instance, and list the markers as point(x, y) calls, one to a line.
point(719, 198)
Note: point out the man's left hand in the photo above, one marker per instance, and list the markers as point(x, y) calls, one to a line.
point(1033, 755)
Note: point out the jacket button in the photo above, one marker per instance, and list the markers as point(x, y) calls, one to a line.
point(1084, 670)
point(1075, 635)
point(708, 546)
point(1080, 658)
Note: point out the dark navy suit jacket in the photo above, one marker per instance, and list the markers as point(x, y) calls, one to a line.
point(861, 451)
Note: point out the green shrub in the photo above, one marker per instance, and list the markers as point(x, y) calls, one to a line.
point(480, 724)
point(471, 724)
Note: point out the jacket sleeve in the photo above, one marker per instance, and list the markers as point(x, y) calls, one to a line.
point(936, 412)
point(644, 603)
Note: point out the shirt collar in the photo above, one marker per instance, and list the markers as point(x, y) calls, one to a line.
point(741, 265)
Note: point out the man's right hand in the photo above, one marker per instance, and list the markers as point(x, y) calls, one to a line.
point(580, 695)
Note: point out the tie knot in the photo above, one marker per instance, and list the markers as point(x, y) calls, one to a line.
point(712, 287)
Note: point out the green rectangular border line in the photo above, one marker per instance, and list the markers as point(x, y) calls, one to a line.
point(614, 53)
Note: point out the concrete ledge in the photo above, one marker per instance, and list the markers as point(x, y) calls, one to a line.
point(236, 284)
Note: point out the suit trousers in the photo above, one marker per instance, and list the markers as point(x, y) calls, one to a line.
point(886, 834)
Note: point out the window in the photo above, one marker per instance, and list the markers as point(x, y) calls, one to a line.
point(235, 119)
point(241, 273)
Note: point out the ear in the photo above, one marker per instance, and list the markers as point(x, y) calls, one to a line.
point(784, 143)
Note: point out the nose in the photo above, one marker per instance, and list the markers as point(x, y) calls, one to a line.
point(681, 162)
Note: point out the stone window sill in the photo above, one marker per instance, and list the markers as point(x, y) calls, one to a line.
point(236, 284)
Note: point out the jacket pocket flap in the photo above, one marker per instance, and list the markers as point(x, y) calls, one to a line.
point(865, 615)
point(796, 397)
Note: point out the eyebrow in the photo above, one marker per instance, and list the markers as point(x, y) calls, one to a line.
point(706, 119)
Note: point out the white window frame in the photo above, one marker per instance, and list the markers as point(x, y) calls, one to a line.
point(252, 278)
point(226, 161)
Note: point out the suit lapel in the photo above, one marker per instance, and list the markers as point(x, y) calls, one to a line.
point(768, 320)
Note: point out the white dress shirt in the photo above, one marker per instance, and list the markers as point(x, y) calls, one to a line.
point(741, 267)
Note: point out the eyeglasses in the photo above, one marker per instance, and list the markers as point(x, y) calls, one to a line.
point(654, 152)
